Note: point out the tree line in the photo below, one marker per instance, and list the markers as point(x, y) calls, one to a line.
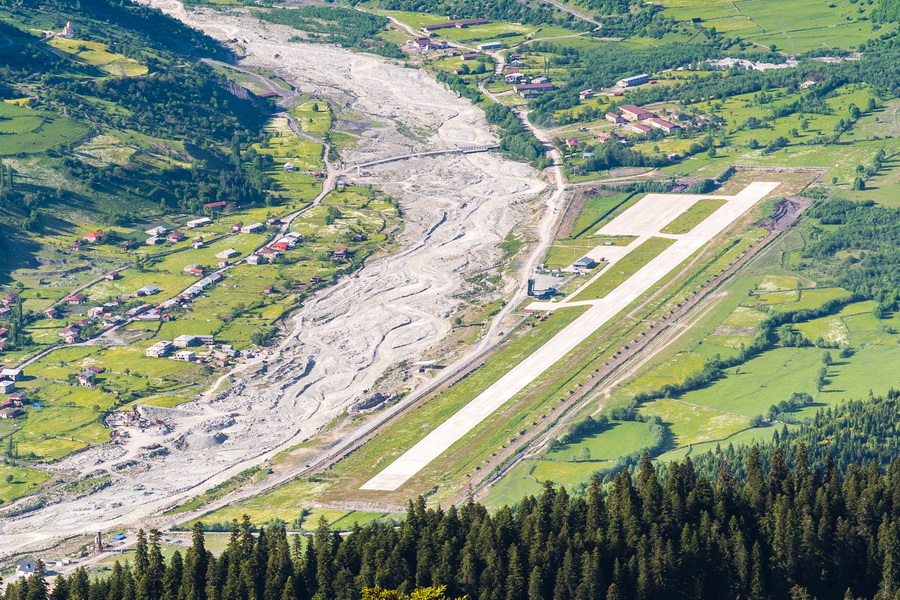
point(794, 529)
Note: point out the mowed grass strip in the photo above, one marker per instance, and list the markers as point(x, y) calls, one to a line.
point(625, 268)
point(403, 434)
point(696, 214)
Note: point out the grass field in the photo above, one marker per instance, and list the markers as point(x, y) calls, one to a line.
point(595, 210)
point(618, 438)
point(26, 131)
point(24, 481)
point(624, 268)
point(693, 216)
point(96, 54)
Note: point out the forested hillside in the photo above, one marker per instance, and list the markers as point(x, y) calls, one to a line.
point(802, 532)
point(131, 78)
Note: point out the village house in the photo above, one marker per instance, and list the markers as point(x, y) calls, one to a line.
point(70, 334)
point(157, 231)
point(470, 56)
point(127, 245)
point(268, 252)
point(222, 264)
point(201, 222)
point(10, 298)
point(513, 77)
point(571, 142)
point(236, 227)
point(585, 94)
point(281, 245)
point(662, 124)
point(196, 271)
point(17, 398)
point(175, 236)
point(614, 118)
point(51, 313)
point(154, 241)
point(229, 253)
point(7, 386)
point(95, 312)
point(215, 205)
point(5, 310)
point(186, 355)
point(11, 413)
point(340, 254)
point(191, 267)
point(639, 128)
point(14, 374)
point(256, 259)
point(86, 377)
point(268, 290)
point(74, 299)
point(603, 138)
point(75, 245)
point(159, 349)
point(197, 243)
point(94, 237)
point(111, 276)
point(147, 290)
point(253, 228)
point(635, 113)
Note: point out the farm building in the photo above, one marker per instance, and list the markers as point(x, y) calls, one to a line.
point(186, 341)
point(614, 118)
point(74, 299)
point(490, 46)
point(229, 253)
point(533, 89)
point(7, 386)
point(256, 259)
point(175, 236)
point(470, 56)
point(634, 80)
point(154, 241)
point(457, 24)
point(157, 231)
point(638, 128)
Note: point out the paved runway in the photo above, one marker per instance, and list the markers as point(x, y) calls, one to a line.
point(639, 220)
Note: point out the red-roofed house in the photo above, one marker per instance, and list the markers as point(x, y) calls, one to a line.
point(614, 118)
point(74, 299)
point(572, 142)
point(635, 113)
point(94, 237)
point(638, 128)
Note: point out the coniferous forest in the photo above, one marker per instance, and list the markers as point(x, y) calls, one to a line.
point(784, 529)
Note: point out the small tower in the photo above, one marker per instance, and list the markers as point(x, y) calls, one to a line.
point(69, 30)
point(98, 542)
